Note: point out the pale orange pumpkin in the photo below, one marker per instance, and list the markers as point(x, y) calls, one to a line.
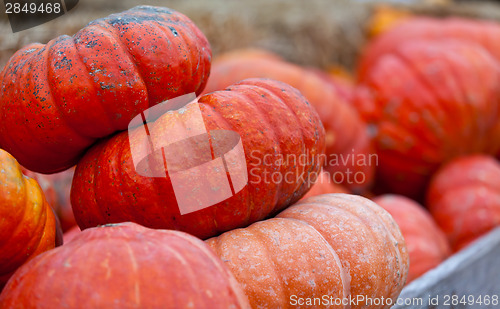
point(338, 245)
point(28, 226)
point(464, 198)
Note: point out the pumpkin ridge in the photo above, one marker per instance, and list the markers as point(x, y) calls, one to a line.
point(269, 128)
point(441, 101)
point(294, 112)
point(392, 243)
point(216, 108)
point(46, 216)
point(304, 100)
point(41, 217)
point(119, 171)
point(380, 215)
point(345, 277)
point(219, 119)
point(26, 68)
point(468, 107)
point(208, 253)
point(259, 236)
point(55, 99)
point(436, 120)
point(76, 40)
point(14, 62)
point(99, 211)
point(20, 220)
point(127, 52)
point(90, 80)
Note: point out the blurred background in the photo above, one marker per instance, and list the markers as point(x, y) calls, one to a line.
point(320, 33)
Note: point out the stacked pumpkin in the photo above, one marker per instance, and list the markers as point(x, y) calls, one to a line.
point(431, 90)
point(348, 146)
point(70, 101)
point(287, 234)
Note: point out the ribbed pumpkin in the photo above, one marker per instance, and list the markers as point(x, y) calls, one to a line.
point(27, 223)
point(125, 266)
point(57, 188)
point(484, 33)
point(430, 102)
point(59, 98)
point(347, 140)
point(427, 244)
point(324, 184)
point(338, 245)
point(282, 138)
point(464, 198)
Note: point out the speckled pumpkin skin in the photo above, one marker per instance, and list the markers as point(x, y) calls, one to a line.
point(334, 244)
point(464, 198)
point(346, 133)
point(272, 119)
point(430, 102)
point(59, 98)
point(126, 266)
point(27, 223)
point(427, 244)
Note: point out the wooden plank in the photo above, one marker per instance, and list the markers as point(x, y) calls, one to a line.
point(472, 274)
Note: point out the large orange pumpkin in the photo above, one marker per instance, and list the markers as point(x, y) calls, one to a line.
point(427, 244)
point(430, 102)
point(339, 245)
point(484, 33)
point(125, 266)
point(282, 138)
point(348, 146)
point(464, 198)
point(59, 98)
point(27, 223)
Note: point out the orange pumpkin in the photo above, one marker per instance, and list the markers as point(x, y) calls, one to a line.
point(481, 32)
point(429, 102)
point(339, 245)
point(427, 244)
point(464, 198)
point(125, 266)
point(60, 98)
point(282, 140)
point(27, 223)
point(347, 140)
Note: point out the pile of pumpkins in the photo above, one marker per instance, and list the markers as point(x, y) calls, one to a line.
point(419, 125)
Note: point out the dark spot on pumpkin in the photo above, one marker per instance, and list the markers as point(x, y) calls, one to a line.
point(92, 44)
point(63, 63)
point(174, 32)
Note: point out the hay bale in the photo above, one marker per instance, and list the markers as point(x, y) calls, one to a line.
point(316, 33)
